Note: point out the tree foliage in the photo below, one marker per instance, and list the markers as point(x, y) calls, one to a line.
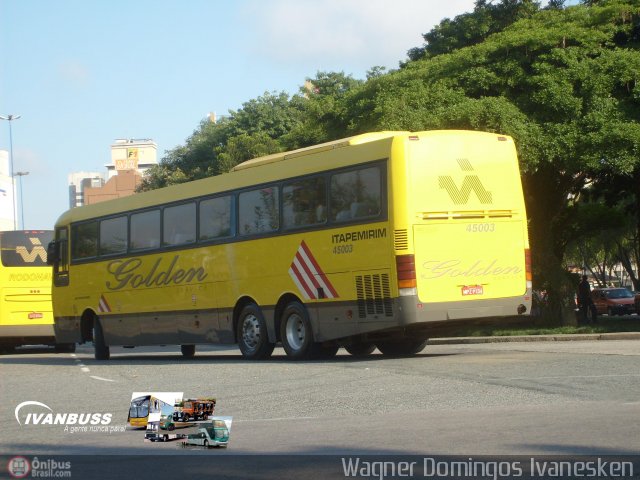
point(258, 128)
point(560, 82)
point(474, 27)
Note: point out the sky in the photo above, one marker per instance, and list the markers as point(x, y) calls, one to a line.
point(84, 73)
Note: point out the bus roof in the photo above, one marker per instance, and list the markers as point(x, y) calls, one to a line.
point(241, 175)
point(277, 157)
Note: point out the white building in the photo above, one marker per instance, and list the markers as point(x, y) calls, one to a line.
point(78, 182)
point(132, 154)
point(130, 158)
point(7, 207)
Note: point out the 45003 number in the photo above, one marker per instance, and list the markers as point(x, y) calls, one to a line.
point(339, 249)
point(481, 227)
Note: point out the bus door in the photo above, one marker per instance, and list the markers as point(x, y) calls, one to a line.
point(58, 257)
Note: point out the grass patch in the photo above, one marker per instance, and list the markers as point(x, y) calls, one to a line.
point(605, 324)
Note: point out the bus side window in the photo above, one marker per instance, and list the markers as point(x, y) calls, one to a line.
point(356, 194)
point(215, 218)
point(259, 211)
point(84, 240)
point(145, 230)
point(304, 203)
point(179, 224)
point(113, 235)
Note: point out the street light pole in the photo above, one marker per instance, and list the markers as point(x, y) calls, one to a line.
point(10, 118)
point(21, 174)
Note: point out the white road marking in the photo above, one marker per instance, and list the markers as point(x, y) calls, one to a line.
point(103, 379)
point(85, 369)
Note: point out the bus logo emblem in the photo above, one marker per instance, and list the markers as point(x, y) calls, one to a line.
point(471, 183)
point(30, 256)
point(309, 277)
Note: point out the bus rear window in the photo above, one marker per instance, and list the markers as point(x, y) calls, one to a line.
point(25, 248)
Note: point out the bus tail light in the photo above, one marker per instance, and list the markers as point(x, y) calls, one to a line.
point(406, 268)
point(527, 265)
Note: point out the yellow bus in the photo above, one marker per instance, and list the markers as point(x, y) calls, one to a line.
point(148, 407)
point(378, 240)
point(26, 316)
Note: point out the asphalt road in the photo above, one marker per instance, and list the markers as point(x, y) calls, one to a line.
point(493, 399)
point(510, 398)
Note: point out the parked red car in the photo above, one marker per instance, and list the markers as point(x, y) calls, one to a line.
point(614, 301)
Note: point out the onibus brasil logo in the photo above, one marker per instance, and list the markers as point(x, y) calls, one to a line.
point(50, 418)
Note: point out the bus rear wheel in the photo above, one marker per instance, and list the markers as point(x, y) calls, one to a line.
point(253, 338)
point(404, 347)
point(101, 349)
point(188, 351)
point(296, 333)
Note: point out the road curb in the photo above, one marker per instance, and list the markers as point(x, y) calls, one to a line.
point(537, 338)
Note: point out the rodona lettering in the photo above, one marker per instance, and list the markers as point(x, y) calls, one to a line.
point(127, 273)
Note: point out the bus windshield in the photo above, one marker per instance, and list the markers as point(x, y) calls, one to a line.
point(24, 248)
point(139, 409)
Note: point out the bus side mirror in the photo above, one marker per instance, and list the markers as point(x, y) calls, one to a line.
point(53, 253)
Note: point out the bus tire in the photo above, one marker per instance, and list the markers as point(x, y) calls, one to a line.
point(296, 332)
point(401, 348)
point(188, 351)
point(360, 349)
point(253, 338)
point(101, 349)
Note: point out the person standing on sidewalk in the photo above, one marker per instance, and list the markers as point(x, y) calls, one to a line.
point(585, 303)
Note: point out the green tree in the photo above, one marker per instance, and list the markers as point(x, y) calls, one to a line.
point(559, 82)
point(213, 148)
point(473, 27)
point(324, 111)
point(245, 147)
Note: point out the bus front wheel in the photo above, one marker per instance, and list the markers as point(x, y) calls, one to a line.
point(405, 347)
point(101, 349)
point(253, 339)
